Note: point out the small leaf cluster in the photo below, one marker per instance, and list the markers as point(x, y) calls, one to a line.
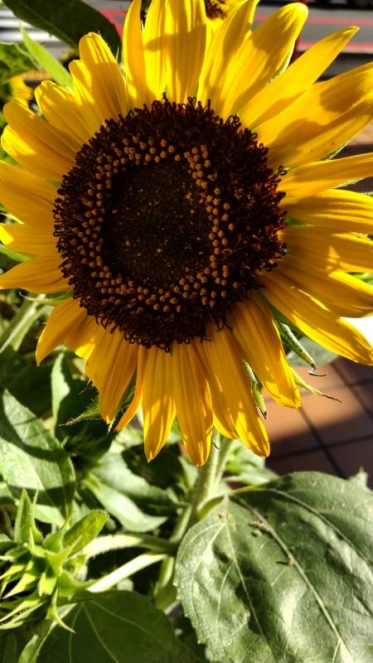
point(38, 573)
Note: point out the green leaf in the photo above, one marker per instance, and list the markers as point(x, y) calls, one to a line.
point(243, 466)
point(29, 383)
point(13, 61)
point(24, 526)
point(113, 471)
point(122, 507)
point(82, 437)
point(9, 647)
point(84, 531)
point(46, 61)
point(115, 626)
point(31, 639)
point(32, 459)
point(68, 20)
point(282, 573)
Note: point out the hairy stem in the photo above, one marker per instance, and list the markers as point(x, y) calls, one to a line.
point(204, 490)
point(119, 541)
point(20, 324)
point(126, 571)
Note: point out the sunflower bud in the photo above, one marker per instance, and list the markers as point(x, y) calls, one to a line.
point(39, 574)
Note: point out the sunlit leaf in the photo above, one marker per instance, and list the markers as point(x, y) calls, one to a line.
point(45, 60)
point(243, 466)
point(282, 573)
point(84, 531)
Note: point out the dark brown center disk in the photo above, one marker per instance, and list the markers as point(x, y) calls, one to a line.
point(165, 221)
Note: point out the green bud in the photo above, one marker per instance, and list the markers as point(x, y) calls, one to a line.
point(39, 574)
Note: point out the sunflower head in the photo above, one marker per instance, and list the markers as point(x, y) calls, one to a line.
point(17, 89)
point(162, 264)
point(188, 208)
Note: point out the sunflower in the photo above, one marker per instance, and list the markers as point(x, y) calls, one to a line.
point(187, 205)
point(218, 10)
point(15, 88)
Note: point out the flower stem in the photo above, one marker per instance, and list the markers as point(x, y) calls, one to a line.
point(125, 571)
point(205, 488)
point(20, 324)
point(208, 480)
point(119, 541)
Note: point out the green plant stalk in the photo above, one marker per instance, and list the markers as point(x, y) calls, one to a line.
point(126, 571)
point(118, 541)
point(204, 490)
point(18, 327)
point(209, 477)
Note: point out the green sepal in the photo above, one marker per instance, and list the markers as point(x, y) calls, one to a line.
point(293, 343)
point(24, 526)
point(67, 585)
point(300, 382)
point(41, 576)
point(91, 413)
point(13, 255)
point(85, 530)
point(47, 583)
point(256, 387)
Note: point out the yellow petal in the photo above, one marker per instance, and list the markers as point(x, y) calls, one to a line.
point(142, 358)
point(336, 210)
point(223, 48)
point(35, 144)
point(186, 38)
point(27, 197)
point(296, 79)
point(313, 178)
point(69, 325)
point(315, 320)
point(24, 239)
point(133, 57)
point(267, 49)
point(41, 275)
point(329, 252)
point(157, 401)
point(156, 48)
point(62, 111)
point(193, 402)
point(98, 81)
point(321, 120)
point(111, 367)
point(255, 329)
point(231, 390)
point(343, 294)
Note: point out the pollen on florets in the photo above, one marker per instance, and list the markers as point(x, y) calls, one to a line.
point(166, 220)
